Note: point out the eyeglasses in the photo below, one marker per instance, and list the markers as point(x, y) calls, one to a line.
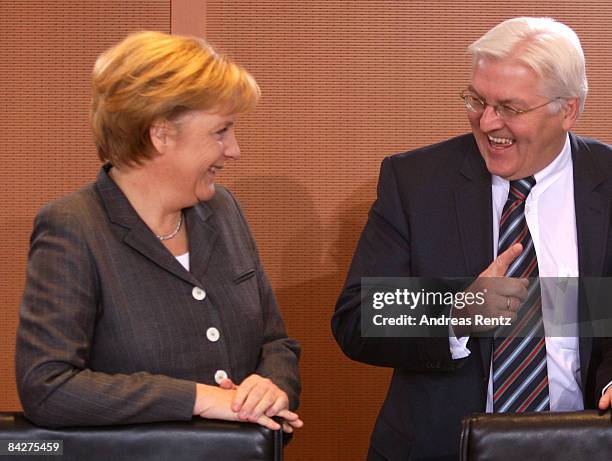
point(478, 105)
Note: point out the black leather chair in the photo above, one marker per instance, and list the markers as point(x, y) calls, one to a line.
point(199, 439)
point(546, 436)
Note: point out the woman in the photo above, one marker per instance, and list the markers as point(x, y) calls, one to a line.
point(145, 297)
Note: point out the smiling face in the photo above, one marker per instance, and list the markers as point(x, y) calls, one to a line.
point(521, 146)
point(195, 147)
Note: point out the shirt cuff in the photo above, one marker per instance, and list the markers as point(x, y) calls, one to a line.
point(458, 347)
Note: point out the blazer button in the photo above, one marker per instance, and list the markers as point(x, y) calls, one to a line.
point(212, 334)
point(198, 293)
point(220, 375)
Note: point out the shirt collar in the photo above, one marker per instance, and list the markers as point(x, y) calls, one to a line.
point(545, 177)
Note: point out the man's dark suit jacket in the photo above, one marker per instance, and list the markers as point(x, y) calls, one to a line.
point(432, 217)
point(110, 331)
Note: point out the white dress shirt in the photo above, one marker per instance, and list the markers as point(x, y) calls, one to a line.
point(551, 217)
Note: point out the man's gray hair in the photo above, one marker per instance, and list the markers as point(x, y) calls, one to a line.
point(547, 46)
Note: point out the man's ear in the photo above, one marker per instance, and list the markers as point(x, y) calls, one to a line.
point(159, 132)
point(570, 113)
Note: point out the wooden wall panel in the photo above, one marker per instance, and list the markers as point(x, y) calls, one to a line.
point(188, 17)
point(346, 83)
point(48, 51)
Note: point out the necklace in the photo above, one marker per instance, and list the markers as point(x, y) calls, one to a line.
point(172, 234)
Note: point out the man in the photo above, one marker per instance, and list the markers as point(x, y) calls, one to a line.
point(449, 210)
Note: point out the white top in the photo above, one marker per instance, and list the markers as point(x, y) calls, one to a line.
point(184, 260)
point(551, 217)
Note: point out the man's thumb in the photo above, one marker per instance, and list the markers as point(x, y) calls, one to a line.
point(503, 261)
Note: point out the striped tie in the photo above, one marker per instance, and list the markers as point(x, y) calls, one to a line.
point(520, 376)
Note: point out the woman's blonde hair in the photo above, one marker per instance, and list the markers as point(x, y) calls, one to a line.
point(152, 75)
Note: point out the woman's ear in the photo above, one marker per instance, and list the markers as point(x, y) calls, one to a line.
point(159, 132)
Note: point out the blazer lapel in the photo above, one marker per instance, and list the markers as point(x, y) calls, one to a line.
point(136, 234)
point(592, 218)
point(474, 215)
point(203, 236)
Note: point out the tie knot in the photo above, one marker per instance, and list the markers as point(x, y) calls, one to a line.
point(520, 188)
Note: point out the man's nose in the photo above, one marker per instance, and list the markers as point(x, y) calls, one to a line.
point(490, 121)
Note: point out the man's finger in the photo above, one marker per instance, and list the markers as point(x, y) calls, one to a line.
point(514, 304)
point(503, 261)
point(604, 401)
point(512, 287)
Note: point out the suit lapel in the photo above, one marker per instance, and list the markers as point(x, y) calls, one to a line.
point(592, 218)
point(474, 214)
point(135, 232)
point(592, 210)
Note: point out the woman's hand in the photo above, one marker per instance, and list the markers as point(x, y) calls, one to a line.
point(258, 397)
point(216, 403)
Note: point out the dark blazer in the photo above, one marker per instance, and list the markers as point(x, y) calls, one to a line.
point(111, 330)
point(432, 217)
